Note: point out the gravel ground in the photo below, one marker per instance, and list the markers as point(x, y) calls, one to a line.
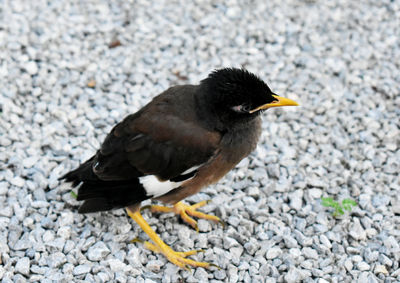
point(69, 70)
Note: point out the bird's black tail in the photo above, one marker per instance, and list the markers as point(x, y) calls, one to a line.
point(83, 173)
point(100, 195)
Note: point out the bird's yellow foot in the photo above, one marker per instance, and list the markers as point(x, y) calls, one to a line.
point(186, 211)
point(177, 258)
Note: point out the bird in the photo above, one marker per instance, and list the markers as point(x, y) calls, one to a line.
point(184, 139)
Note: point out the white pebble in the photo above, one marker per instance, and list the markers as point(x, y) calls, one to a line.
point(31, 67)
point(23, 265)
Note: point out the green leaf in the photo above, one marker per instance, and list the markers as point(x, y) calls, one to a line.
point(340, 210)
point(349, 202)
point(74, 195)
point(347, 207)
point(336, 205)
point(328, 202)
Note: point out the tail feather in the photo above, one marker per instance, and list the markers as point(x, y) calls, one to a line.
point(83, 173)
point(90, 189)
point(95, 205)
point(100, 195)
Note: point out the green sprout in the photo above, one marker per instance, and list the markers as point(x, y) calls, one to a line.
point(74, 195)
point(347, 204)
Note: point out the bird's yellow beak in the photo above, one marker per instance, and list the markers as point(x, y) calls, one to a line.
point(281, 101)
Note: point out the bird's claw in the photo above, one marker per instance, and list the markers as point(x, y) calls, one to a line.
point(145, 207)
point(177, 258)
point(214, 265)
point(186, 211)
point(137, 240)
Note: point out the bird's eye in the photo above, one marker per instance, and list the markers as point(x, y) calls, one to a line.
point(241, 108)
point(245, 108)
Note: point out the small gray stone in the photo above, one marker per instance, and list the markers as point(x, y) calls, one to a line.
point(116, 265)
point(69, 245)
point(357, 258)
point(36, 269)
point(395, 273)
point(307, 264)
point(57, 243)
point(290, 242)
point(273, 253)
point(68, 268)
point(23, 266)
point(154, 265)
point(385, 260)
point(315, 193)
point(273, 170)
point(234, 221)
point(296, 199)
point(23, 244)
point(325, 241)
point(302, 240)
point(372, 279)
point(391, 243)
point(220, 274)
point(103, 277)
point(66, 218)
point(236, 252)
point(98, 251)
point(18, 278)
point(363, 266)
point(230, 242)
point(48, 236)
point(348, 264)
point(363, 277)
point(310, 253)
point(356, 230)
point(31, 68)
point(81, 269)
point(89, 278)
point(301, 224)
point(296, 275)
point(47, 223)
point(6, 211)
point(56, 260)
point(251, 247)
point(381, 269)
point(203, 225)
point(201, 275)
point(89, 242)
point(64, 232)
point(17, 181)
point(121, 277)
point(2, 271)
point(30, 161)
point(371, 256)
point(233, 274)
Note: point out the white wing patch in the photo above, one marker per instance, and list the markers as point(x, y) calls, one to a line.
point(194, 168)
point(156, 188)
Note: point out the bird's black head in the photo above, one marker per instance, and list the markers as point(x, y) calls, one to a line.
point(238, 95)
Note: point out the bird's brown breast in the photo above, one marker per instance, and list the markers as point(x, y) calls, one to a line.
point(234, 147)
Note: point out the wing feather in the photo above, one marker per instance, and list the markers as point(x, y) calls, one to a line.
point(159, 140)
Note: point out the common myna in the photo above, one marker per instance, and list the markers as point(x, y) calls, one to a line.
point(186, 138)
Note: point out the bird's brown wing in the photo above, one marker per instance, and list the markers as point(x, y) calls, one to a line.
point(157, 142)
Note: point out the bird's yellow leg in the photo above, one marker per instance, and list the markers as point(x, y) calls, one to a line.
point(185, 211)
point(177, 258)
